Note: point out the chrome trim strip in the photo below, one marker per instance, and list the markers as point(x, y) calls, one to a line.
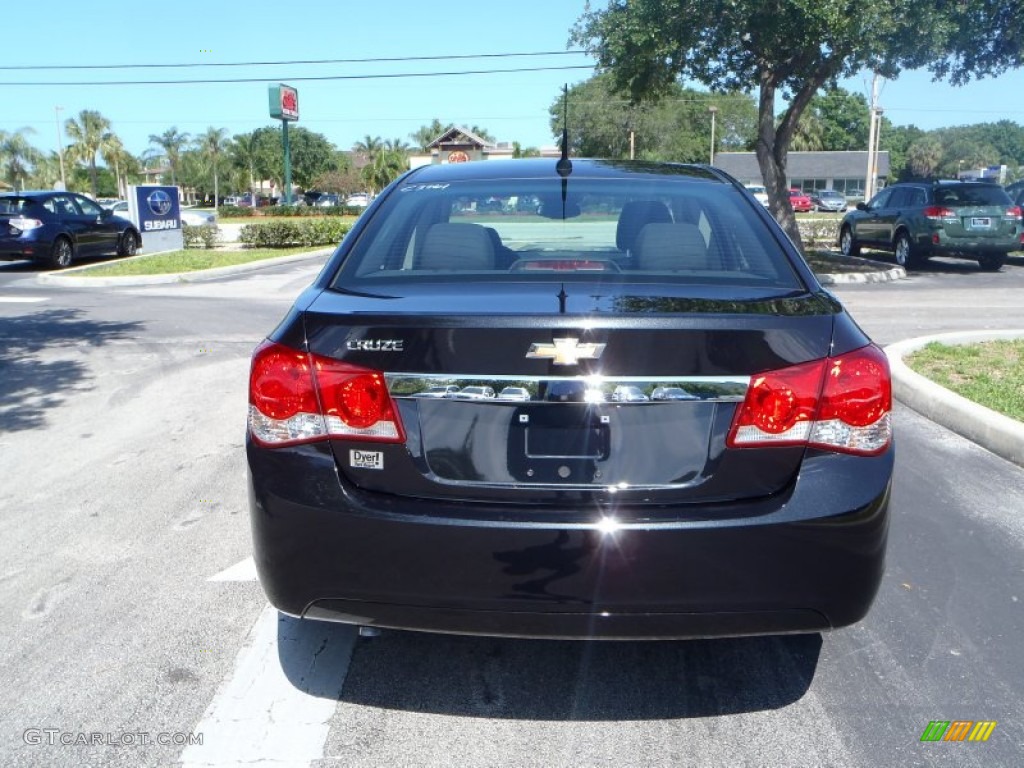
point(593, 388)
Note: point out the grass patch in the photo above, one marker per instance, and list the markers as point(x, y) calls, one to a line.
point(186, 261)
point(991, 373)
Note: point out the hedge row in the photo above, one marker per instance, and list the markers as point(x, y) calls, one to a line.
point(228, 211)
point(282, 234)
point(819, 232)
point(206, 236)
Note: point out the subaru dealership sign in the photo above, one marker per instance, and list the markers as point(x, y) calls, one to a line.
point(156, 211)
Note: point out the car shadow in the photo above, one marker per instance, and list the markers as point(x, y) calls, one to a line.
point(558, 680)
point(940, 264)
point(34, 384)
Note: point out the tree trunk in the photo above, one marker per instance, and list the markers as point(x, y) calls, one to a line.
point(771, 158)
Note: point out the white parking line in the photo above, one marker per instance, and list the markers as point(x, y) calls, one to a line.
point(275, 708)
point(243, 571)
point(23, 299)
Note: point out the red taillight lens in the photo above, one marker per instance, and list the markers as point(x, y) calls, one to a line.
point(780, 405)
point(938, 212)
point(296, 397)
point(840, 403)
point(356, 402)
point(1014, 213)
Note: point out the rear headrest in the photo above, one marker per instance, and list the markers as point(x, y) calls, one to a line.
point(669, 247)
point(634, 216)
point(457, 247)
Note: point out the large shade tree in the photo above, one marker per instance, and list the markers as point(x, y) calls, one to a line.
point(603, 122)
point(791, 49)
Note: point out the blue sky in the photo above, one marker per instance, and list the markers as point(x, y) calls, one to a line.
point(512, 106)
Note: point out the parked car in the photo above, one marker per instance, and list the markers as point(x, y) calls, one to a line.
point(917, 220)
point(189, 217)
point(474, 393)
point(829, 201)
point(759, 192)
point(57, 228)
point(671, 393)
point(514, 393)
point(759, 506)
point(629, 394)
point(359, 200)
point(194, 218)
point(439, 390)
point(800, 201)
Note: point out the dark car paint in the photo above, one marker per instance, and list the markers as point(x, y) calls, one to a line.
point(89, 235)
point(547, 572)
point(804, 553)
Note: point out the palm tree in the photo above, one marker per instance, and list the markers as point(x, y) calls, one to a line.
point(16, 155)
point(114, 154)
point(427, 133)
point(396, 145)
point(212, 145)
point(370, 146)
point(385, 167)
point(171, 142)
point(45, 172)
point(88, 135)
point(245, 149)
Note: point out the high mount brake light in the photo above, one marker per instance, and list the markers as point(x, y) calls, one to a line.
point(839, 403)
point(297, 397)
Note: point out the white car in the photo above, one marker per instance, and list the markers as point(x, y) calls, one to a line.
point(759, 192)
point(191, 218)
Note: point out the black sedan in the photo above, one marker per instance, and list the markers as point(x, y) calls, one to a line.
point(757, 505)
point(56, 228)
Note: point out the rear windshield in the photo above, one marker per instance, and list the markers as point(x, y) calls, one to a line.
point(618, 230)
point(972, 194)
point(11, 205)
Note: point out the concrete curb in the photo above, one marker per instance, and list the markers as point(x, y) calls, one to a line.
point(884, 274)
point(68, 278)
point(998, 433)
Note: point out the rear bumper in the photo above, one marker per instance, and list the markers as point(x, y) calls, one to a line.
point(808, 560)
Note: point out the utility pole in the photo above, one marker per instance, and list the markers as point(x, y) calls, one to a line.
point(632, 145)
point(712, 110)
point(869, 182)
point(60, 148)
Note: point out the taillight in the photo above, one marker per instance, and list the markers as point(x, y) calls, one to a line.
point(1014, 213)
point(24, 224)
point(936, 212)
point(297, 397)
point(839, 403)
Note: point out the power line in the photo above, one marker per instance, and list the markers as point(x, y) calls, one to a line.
point(392, 59)
point(300, 79)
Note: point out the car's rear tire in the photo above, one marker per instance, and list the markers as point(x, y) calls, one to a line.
point(847, 243)
point(62, 253)
point(128, 244)
point(904, 251)
point(991, 262)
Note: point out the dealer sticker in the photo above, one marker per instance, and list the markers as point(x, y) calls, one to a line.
point(366, 459)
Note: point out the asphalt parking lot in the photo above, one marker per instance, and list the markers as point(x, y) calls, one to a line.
point(133, 623)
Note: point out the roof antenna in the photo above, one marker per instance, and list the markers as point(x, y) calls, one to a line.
point(564, 164)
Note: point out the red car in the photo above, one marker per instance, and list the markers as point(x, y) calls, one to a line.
point(801, 203)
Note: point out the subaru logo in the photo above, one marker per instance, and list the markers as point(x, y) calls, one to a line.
point(159, 202)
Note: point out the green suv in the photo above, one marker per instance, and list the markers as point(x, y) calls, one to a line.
point(915, 220)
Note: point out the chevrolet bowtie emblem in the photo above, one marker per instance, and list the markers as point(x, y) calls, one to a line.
point(565, 351)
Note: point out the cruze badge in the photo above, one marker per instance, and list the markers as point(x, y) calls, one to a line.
point(375, 345)
point(565, 351)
